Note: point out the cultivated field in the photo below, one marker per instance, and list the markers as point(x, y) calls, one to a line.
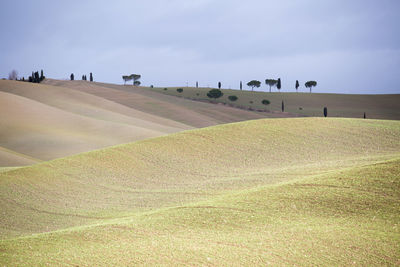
point(43, 121)
point(297, 191)
point(302, 104)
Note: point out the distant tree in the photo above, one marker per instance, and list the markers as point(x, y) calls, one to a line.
point(91, 77)
point(13, 75)
point(232, 98)
point(219, 85)
point(197, 84)
point(365, 116)
point(241, 86)
point(36, 77)
point(265, 102)
point(254, 83)
point(136, 83)
point(83, 77)
point(72, 76)
point(215, 93)
point(270, 83)
point(165, 89)
point(151, 86)
point(297, 85)
point(41, 75)
point(325, 111)
point(278, 84)
point(23, 79)
point(179, 90)
point(283, 106)
point(30, 79)
point(310, 84)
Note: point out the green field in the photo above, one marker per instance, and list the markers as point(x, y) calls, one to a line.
point(301, 191)
point(301, 104)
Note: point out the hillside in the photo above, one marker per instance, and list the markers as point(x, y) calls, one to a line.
point(184, 167)
point(302, 189)
point(44, 122)
point(302, 104)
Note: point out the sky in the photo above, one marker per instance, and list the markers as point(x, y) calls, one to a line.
point(346, 46)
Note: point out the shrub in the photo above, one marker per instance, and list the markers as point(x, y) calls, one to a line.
point(251, 102)
point(165, 89)
point(232, 98)
point(265, 102)
point(179, 90)
point(215, 93)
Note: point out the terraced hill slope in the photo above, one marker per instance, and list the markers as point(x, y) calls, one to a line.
point(266, 191)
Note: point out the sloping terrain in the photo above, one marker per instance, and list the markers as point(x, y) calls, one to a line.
point(278, 192)
point(303, 104)
point(344, 218)
point(188, 166)
point(193, 113)
point(45, 122)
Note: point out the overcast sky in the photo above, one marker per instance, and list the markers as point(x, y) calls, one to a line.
point(347, 46)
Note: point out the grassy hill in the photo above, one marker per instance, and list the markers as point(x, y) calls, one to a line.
point(302, 104)
point(282, 191)
point(45, 121)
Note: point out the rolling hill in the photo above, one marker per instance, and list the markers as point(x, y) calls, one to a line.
point(45, 122)
point(302, 104)
point(265, 191)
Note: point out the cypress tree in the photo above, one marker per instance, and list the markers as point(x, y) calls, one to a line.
point(278, 85)
point(241, 86)
point(72, 76)
point(197, 84)
point(91, 77)
point(283, 106)
point(325, 111)
point(365, 116)
point(297, 85)
point(219, 85)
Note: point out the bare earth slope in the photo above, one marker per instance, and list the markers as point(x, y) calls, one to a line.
point(44, 121)
point(193, 113)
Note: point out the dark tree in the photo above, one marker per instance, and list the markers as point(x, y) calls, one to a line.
point(365, 116)
point(310, 84)
point(91, 77)
point(219, 85)
point(270, 83)
point(136, 83)
point(265, 102)
point(72, 76)
point(41, 75)
point(241, 85)
point(197, 84)
point(30, 79)
point(215, 93)
point(254, 83)
point(83, 77)
point(232, 98)
point(283, 106)
point(278, 84)
point(37, 77)
point(297, 85)
point(179, 90)
point(325, 111)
